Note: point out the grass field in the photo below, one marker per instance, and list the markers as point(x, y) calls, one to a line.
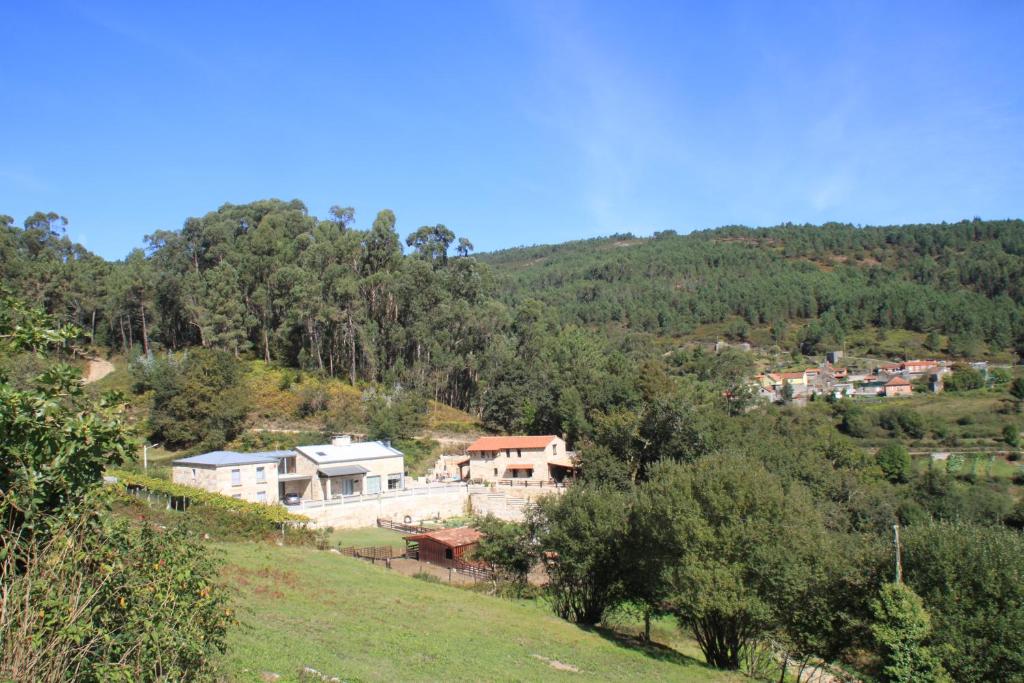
point(347, 618)
point(368, 536)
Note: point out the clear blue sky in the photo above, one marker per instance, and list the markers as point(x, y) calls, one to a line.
point(512, 122)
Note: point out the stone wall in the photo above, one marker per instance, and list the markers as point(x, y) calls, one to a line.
point(433, 502)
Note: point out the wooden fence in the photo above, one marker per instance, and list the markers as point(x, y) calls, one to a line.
point(373, 552)
point(477, 571)
point(401, 526)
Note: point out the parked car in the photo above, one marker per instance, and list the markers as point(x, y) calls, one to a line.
point(292, 499)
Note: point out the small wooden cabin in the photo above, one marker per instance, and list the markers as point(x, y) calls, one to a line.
point(445, 546)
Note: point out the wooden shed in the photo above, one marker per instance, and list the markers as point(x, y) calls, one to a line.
point(444, 547)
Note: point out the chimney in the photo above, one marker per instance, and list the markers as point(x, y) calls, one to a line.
point(387, 442)
point(341, 440)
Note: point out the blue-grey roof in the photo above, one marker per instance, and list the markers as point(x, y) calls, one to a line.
point(225, 458)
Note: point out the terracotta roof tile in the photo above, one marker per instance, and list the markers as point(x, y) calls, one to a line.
point(453, 538)
point(500, 443)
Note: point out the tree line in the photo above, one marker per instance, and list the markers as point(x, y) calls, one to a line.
point(541, 339)
point(962, 280)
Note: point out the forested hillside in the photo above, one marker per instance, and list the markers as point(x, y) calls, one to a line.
point(963, 280)
point(542, 339)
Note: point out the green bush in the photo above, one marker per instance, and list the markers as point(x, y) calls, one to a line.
point(200, 403)
point(104, 600)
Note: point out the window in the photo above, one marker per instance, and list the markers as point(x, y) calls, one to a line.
point(448, 554)
point(236, 477)
point(519, 452)
point(373, 484)
point(508, 452)
point(554, 449)
point(261, 496)
point(288, 465)
point(348, 487)
point(261, 475)
point(193, 474)
point(495, 471)
point(394, 481)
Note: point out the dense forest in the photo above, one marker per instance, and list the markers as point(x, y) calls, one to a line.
point(964, 280)
point(541, 339)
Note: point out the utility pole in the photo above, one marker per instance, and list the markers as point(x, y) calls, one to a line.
point(145, 454)
point(899, 561)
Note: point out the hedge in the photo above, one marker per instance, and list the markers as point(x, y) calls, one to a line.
point(273, 514)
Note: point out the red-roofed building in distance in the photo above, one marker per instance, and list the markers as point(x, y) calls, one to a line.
point(527, 458)
point(897, 386)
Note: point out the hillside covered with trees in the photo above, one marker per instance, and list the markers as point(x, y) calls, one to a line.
point(542, 339)
point(962, 280)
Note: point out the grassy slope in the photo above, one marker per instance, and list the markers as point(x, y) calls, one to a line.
point(348, 618)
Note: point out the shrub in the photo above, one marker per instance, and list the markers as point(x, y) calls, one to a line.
point(964, 378)
point(202, 403)
point(312, 401)
point(105, 600)
point(894, 461)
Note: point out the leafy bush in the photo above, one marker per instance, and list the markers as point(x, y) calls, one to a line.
point(902, 420)
point(894, 461)
point(312, 401)
point(200, 403)
point(105, 600)
point(964, 378)
point(395, 415)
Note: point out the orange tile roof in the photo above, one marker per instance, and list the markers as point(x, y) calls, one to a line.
point(788, 375)
point(501, 443)
point(453, 538)
point(519, 466)
point(897, 382)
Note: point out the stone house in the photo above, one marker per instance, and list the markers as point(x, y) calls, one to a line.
point(513, 458)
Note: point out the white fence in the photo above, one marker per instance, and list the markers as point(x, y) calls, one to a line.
point(364, 497)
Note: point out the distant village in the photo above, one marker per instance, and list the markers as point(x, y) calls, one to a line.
point(830, 379)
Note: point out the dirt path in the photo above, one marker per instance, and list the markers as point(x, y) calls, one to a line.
point(96, 369)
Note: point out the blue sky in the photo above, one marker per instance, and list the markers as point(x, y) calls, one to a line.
point(512, 122)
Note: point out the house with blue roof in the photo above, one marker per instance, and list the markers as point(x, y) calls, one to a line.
point(307, 473)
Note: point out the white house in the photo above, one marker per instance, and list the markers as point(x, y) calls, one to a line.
point(345, 468)
point(340, 468)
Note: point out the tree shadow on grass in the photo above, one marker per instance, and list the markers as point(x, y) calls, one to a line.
point(651, 649)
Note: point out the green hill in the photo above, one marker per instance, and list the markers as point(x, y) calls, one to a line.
point(962, 282)
point(347, 618)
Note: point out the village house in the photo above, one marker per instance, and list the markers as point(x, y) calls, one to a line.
point(515, 458)
point(325, 472)
point(248, 476)
point(345, 468)
point(897, 386)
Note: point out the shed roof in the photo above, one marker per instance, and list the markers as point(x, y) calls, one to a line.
point(500, 443)
point(453, 538)
point(341, 470)
point(227, 458)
